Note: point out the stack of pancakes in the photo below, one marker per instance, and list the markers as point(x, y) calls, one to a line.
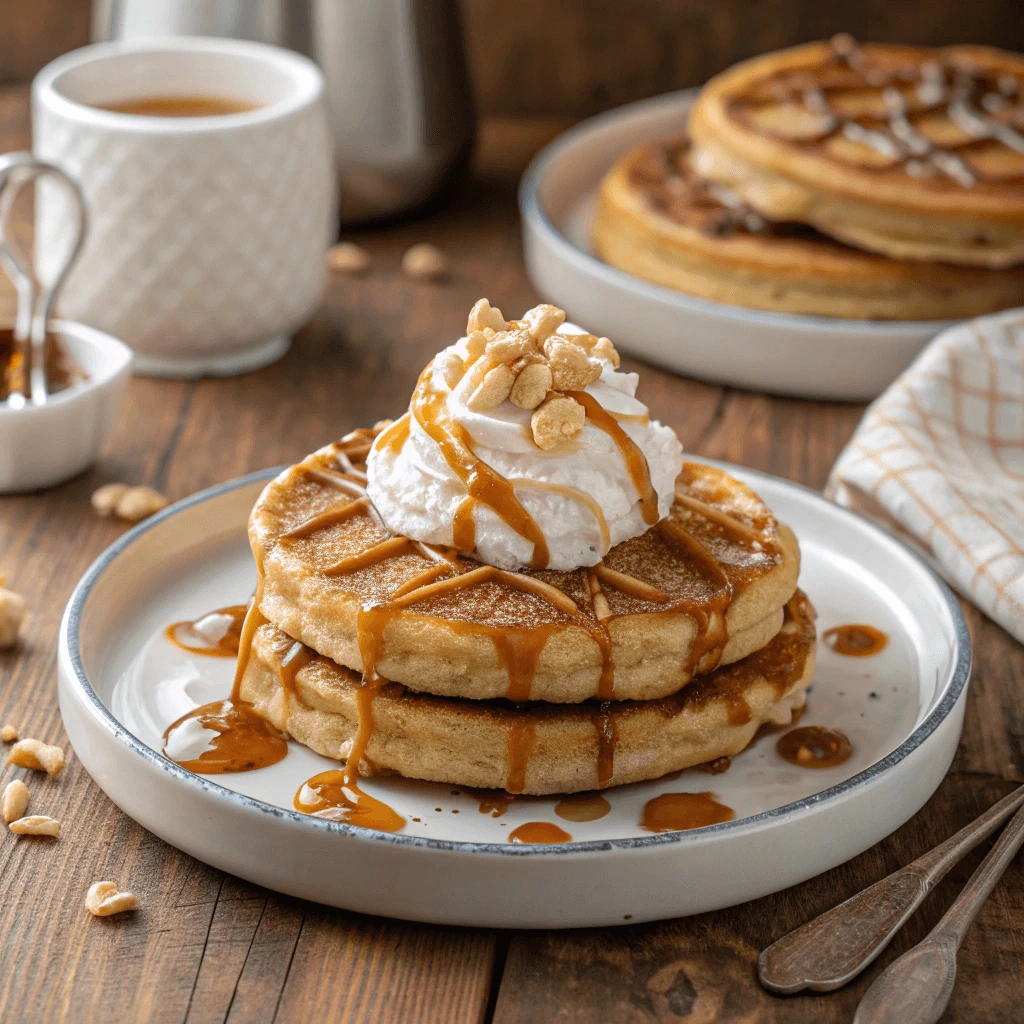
point(853, 181)
point(407, 658)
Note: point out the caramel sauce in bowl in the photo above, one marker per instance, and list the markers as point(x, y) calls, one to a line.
point(855, 640)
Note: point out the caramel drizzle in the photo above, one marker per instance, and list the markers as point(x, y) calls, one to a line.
point(333, 516)
point(636, 461)
point(393, 438)
point(719, 517)
point(482, 482)
point(629, 584)
point(899, 140)
point(522, 739)
point(576, 495)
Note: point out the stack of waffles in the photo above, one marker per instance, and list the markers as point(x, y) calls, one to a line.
point(854, 181)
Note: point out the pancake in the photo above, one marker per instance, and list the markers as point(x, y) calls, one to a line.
point(536, 748)
point(659, 220)
point(912, 152)
point(701, 589)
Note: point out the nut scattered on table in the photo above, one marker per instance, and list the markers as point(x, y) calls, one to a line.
point(29, 753)
point(15, 800)
point(12, 614)
point(133, 504)
point(425, 262)
point(36, 825)
point(9, 733)
point(348, 258)
point(104, 899)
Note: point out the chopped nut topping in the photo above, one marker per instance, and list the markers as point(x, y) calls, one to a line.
point(493, 389)
point(558, 419)
point(544, 320)
point(348, 258)
point(571, 370)
point(104, 499)
point(531, 386)
point(425, 262)
point(12, 614)
point(482, 315)
point(508, 346)
point(104, 899)
point(35, 825)
point(30, 753)
point(15, 801)
point(604, 349)
point(452, 368)
point(8, 733)
point(139, 503)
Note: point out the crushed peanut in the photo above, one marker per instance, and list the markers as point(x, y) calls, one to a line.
point(12, 614)
point(104, 899)
point(556, 420)
point(493, 389)
point(139, 503)
point(571, 370)
point(14, 803)
point(104, 499)
point(508, 346)
point(425, 262)
point(544, 320)
point(452, 368)
point(35, 825)
point(484, 315)
point(8, 733)
point(531, 386)
point(348, 258)
point(31, 753)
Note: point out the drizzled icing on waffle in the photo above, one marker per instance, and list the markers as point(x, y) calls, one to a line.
point(967, 108)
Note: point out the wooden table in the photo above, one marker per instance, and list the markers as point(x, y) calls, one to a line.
point(205, 946)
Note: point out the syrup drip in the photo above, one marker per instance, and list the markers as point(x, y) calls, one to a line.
point(716, 767)
point(394, 437)
point(297, 658)
point(855, 640)
point(242, 740)
point(539, 832)
point(522, 739)
point(636, 461)
point(214, 635)
point(334, 795)
point(482, 482)
point(519, 652)
point(573, 494)
point(678, 812)
point(814, 746)
point(607, 737)
point(582, 807)
point(494, 801)
point(464, 526)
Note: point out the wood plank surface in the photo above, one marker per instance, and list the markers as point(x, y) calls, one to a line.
point(208, 947)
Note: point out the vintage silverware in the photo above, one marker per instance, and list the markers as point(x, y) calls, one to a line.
point(835, 947)
point(398, 91)
point(35, 297)
point(915, 989)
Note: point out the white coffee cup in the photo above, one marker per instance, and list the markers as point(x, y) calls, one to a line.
point(207, 235)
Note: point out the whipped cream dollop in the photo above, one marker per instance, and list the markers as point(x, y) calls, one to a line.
point(581, 492)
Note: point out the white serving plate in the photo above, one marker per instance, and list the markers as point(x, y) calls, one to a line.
point(121, 683)
point(786, 353)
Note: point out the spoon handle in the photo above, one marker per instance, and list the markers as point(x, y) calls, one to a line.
point(916, 988)
point(835, 947)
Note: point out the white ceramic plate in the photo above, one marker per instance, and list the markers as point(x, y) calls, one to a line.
point(122, 683)
point(787, 353)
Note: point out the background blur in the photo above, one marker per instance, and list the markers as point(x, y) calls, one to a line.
point(571, 58)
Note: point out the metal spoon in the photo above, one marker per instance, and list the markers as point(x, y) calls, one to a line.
point(915, 989)
point(831, 950)
point(35, 298)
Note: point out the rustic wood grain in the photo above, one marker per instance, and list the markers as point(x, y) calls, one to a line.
point(207, 947)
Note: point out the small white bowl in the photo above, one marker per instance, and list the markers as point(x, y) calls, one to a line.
point(785, 353)
point(43, 445)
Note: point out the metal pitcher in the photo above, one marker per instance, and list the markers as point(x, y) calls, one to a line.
point(397, 86)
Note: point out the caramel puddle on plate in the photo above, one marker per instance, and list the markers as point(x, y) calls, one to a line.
point(814, 746)
point(855, 640)
point(582, 807)
point(215, 634)
point(331, 795)
point(241, 740)
point(677, 812)
point(539, 832)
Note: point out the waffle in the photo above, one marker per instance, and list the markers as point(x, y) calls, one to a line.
point(659, 220)
point(914, 153)
point(536, 748)
point(704, 588)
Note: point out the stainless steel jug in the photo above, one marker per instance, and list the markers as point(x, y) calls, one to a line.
point(397, 85)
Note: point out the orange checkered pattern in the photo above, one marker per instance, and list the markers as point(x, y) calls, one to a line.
point(939, 459)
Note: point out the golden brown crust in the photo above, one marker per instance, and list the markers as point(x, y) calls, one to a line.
point(657, 219)
point(756, 132)
point(461, 644)
point(468, 743)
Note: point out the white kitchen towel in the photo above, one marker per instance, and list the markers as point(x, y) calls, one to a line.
point(939, 459)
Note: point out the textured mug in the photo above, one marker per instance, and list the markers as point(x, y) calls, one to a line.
point(207, 235)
